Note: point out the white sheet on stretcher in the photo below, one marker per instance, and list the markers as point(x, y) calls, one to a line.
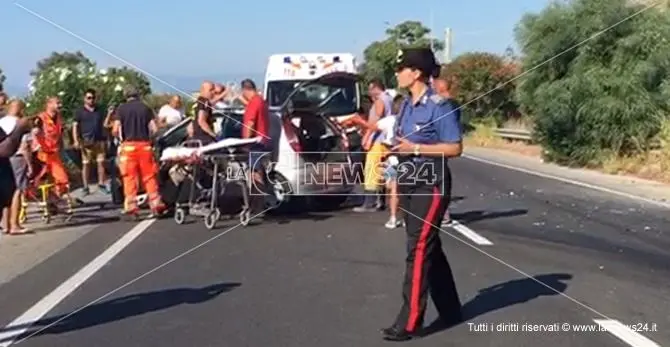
point(180, 152)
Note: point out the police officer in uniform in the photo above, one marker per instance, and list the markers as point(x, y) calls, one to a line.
point(427, 132)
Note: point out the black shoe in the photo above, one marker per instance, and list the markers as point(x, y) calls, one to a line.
point(397, 334)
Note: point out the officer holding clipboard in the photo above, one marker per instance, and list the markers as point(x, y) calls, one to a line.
point(428, 131)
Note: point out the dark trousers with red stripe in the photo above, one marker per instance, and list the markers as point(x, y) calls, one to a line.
point(427, 269)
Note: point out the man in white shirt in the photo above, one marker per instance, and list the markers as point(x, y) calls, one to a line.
point(171, 113)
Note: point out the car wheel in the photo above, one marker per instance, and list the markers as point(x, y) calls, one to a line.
point(281, 189)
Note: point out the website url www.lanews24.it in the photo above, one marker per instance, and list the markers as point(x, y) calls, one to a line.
point(550, 327)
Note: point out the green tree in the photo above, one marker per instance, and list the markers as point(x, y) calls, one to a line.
point(56, 59)
point(593, 96)
point(380, 55)
point(109, 84)
point(484, 84)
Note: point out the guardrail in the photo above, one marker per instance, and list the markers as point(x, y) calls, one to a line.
point(527, 136)
point(514, 134)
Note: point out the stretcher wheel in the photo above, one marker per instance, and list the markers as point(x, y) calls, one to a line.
point(46, 219)
point(179, 216)
point(210, 220)
point(245, 216)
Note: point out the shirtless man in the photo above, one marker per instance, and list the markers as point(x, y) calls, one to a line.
point(203, 124)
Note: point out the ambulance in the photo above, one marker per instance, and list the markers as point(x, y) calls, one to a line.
point(286, 71)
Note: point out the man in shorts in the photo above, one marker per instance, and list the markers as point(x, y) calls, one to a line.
point(89, 136)
point(256, 124)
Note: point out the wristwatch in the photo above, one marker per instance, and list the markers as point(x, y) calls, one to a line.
point(417, 150)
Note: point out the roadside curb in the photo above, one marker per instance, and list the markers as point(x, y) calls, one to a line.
point(570, 181)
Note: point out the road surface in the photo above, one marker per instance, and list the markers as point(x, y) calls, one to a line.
point(529, 253)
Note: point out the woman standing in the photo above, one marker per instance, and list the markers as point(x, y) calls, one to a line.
point(22, 169)
point(428, 132)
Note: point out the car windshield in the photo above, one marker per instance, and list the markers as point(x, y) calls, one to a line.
point(331, 99)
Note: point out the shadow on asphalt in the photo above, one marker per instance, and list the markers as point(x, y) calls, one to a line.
point(507, 294)
point(475, 216)
point(120, 308)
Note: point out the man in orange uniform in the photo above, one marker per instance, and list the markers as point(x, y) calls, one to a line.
point(47, 134)
point(134, 125)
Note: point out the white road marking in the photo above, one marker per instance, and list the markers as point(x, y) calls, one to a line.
point(17, 327)
point(625, 333)
point(574, 182)
point(469, 233)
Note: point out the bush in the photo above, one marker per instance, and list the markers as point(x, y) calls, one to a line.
point(594, 96)
point(483, 84)
point(68, 75)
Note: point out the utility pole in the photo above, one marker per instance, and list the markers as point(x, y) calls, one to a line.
point(447, 46)
point(432, 45)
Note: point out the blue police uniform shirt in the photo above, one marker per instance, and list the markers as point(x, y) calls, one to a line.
point(432, 119)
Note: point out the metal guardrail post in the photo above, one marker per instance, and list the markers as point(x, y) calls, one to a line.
point(514, 134)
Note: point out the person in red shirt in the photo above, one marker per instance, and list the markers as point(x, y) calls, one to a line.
point(256, 124)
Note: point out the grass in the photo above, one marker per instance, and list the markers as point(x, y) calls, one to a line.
point(654, 165)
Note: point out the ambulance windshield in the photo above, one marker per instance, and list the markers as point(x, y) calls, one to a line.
point(332, 99)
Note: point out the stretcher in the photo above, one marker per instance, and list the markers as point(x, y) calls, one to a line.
point(210, 169)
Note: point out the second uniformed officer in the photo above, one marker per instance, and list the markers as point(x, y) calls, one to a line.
point(428, 131)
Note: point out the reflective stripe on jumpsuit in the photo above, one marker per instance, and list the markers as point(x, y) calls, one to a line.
point(137, 162)
point(49, 151)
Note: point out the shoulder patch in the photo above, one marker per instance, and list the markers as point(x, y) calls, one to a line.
point(438, 99)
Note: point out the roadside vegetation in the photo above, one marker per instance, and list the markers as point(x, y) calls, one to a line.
point(591, 82)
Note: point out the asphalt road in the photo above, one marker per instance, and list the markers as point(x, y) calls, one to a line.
point(529, 250)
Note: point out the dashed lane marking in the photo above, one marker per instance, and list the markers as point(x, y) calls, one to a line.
point(467, 232)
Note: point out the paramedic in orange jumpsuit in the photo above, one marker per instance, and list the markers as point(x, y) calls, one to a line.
point(134, 125)
point(47, 134)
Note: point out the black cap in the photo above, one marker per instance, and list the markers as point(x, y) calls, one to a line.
point(422, 59)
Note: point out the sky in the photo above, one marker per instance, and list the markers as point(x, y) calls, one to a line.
point(179, 38)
